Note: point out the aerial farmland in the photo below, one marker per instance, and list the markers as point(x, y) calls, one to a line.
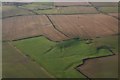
point(60, 40)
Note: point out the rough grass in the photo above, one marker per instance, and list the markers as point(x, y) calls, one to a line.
point(36, 6)
point(67, 10)
point(111, 41)
point(61, 58)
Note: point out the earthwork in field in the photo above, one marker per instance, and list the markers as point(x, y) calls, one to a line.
point(60, 40)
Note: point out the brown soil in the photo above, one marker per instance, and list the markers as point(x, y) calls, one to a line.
point(114, 14)
point(106, 67)
point(87, 26)
point(83, 26)
point(29, 26)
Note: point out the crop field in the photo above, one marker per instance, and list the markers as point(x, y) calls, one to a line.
point(38, 6)
point(111, 41)
point(60, 40)
point(68, 10)
point(60, 4)
point(52, 55)
point(109, 64)
point(8, 11)
point(109, 9)
point(110, 67)
point(83, 26)
point(42, 26)
point(103, 4)
point(15, 62)
point(114, 14)
point(75, 10)
point(28, 28)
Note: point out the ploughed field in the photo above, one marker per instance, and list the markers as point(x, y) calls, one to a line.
point(108, 65)
point(10, 11)
point(82, 26)
point(54, 45)
point(30, 26)
point(116, 15)
point(77, 26)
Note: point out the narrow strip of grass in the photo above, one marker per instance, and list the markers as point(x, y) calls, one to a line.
point(108, 9)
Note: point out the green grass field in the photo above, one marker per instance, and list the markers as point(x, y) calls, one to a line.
point(111, 41)
point(36, 6)
point(108, 9)
point(17, 65)
point(59, 59)
point(67, 10)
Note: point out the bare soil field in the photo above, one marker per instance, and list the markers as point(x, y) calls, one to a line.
point(70, 3)
point(86, 26)
point(8, 11)
point(106, 67)
point(114, 14)
point(29, 26)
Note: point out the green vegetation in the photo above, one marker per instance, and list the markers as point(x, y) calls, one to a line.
point(59, 59)
point(109, 9)
point(78, 9)
point(110, 41)
point(16, 65)
point(37, 6)
point(48, 11)
point(105, 4)
point(6, 8)
point(67, 10)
